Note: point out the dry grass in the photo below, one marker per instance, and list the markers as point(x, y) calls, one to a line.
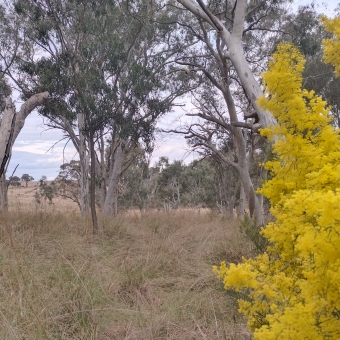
point(22, 199)
point(144, 277)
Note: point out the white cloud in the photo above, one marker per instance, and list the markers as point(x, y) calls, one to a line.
point(33, 148)
point(35, 152)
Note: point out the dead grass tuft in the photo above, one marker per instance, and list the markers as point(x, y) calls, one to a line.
point(144, 277)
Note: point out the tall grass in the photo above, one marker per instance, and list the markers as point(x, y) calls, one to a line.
point(143, 277)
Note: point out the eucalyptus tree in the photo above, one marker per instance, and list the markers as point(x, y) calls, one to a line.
point(307, 33)
point(231, 21)
point(230, 63)
point(198, 186)
point(26, 178)
point(12, 46)
point(5, 91)
point(67, 183)
point(106, 66)
point(167, 185)
point(171, 184)
point(139, 185)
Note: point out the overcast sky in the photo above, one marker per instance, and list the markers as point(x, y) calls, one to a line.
point(36, 155)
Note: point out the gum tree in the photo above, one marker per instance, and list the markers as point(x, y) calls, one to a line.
point(229, 22)
point(27, 178)
point(232, 40)
point(106, 67)
point(12, 46)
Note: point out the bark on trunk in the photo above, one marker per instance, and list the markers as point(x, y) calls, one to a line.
point(84, 167)
point(249, 83)
point(3, 194)
point(93, 183)
point(242, 203)
point(255, 207)
point(111, 200)
point(12, 123)
point(102, 173)
point(235, 53)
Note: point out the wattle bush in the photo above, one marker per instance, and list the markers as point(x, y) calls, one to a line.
point(293, 288)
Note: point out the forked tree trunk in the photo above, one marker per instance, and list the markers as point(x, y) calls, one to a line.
point(234, 52)
point(242, 166)
point(12, 123)
point(10, 126)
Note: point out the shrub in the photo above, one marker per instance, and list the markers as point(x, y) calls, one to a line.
point(293, 287)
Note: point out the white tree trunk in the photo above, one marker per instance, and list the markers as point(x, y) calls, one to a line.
point(84, 167)
point(110, 207)
point(101, 170)
point(254, 203)
point(242, 203)
point(235, 53)
point(249, 83)
point(12, 123)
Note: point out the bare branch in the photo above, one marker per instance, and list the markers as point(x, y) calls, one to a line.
point(217, 24)
point(253, 127)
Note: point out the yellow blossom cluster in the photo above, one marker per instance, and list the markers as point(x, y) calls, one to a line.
point(293, 289)
point(332, 46)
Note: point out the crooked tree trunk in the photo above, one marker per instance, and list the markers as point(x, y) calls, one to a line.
point(12, 123)
point(242, 166)
point(110, 207)
point(249, 83)
point(235, 53)
point(10, 126)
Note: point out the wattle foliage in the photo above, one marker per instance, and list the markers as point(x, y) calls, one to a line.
point(332, 46)
point(293, 288)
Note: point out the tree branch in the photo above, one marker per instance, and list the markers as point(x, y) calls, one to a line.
point(240, 13)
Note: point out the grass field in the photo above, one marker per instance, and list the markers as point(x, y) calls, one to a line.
point(143, 277)
point(22, 199)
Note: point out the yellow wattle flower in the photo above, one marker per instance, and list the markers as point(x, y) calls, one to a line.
point(293, 288)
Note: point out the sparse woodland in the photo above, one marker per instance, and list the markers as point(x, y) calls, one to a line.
point(243, 242)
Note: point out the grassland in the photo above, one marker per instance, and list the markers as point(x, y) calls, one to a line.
point(144, 277)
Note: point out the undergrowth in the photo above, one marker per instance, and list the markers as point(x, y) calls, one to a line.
point(144, 277)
